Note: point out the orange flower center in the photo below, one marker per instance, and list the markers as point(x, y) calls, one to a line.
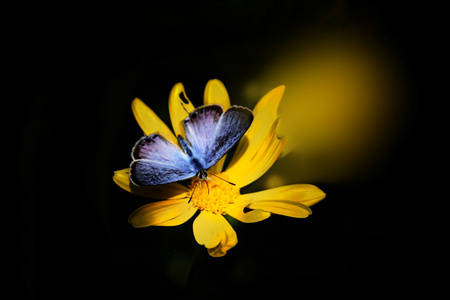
point(213, 194)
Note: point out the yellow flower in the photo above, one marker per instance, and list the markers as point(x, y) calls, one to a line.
point(257, 150)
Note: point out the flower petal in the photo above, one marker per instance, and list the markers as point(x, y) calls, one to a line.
point(149, 121)
point(283, 207)
point(265, 113)
point(290, 200)
point(181, 218)
point(178, 100)
point(306, 194)
point(250, 163)
point(122, 179)
point(259, 148)
point(215, 233)
point(236, 210)
point(216, 93)
point(162, 213)
point(164, 191)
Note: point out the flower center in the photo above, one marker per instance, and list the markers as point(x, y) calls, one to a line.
point(213, 195)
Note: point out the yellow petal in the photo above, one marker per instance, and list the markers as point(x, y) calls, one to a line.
point(283, 207)
point(180, 219)
point(265, 114)
point(164, 213)
point(176, 110)
point(307, 194)
point(291, 200)
point(249, 162)
point(216, 93)
point(164, 191)
point(259, 148)
point(236, 210)
point(215, 233)
point(121, 178)
point(149, 121)
point(218, 166)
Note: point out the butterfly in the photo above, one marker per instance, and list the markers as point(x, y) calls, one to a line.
point(210, 133)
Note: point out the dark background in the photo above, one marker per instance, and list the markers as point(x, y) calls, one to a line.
point(79, 67)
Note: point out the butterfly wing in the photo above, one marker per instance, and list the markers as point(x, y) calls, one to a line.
point(157, 161)
point(199, 128)
point(232, 125)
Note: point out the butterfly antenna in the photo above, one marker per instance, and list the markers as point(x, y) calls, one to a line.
point(183, 100)
point(222, 179)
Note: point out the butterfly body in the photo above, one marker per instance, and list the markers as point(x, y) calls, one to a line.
point(196, 161)
point(210, 133)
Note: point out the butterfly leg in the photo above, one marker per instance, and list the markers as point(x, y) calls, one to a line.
point(207, 185)
point(192, 194)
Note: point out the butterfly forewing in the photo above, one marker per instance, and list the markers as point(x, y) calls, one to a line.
point(200, 126)
point(156, 147)
point(158, 161)
point(232, 125)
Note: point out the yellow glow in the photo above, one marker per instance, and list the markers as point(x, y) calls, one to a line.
point(339, 108)
point(274, 180)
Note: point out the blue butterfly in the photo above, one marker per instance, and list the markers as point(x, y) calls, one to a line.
point(210, 134)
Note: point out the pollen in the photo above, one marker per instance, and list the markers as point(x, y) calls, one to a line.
point(213, 194)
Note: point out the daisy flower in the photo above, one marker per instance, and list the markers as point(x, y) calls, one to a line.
point(255, 153)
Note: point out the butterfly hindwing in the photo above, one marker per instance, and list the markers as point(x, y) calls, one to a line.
point(232, 125)
point(151, 172)
point(157, 161)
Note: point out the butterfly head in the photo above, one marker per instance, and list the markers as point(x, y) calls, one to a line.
point(202, 174)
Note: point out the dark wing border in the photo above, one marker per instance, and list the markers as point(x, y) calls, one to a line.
point(232, 125)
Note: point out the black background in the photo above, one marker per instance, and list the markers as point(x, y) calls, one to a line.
point(77, 68)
